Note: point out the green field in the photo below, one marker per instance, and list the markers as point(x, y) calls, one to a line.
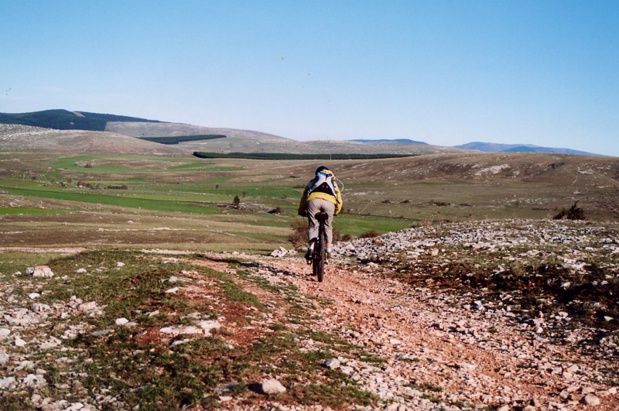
point(193, 198)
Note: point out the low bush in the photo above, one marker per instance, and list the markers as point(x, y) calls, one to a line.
point(298, 237)
point(573, 213)
point(369, 234)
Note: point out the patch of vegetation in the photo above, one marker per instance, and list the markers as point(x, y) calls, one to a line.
point(298, 237)
point(532, 286)
point(160, 204)
point(66, 120)
point(181, 139)
point(30, 211)
point(290, 156)
point(141, 367)
point(369, 234)
point(573, 213)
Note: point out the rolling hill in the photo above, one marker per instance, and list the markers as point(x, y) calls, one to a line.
point(66, 120)
point(20, 138)
point(519, 148)
point(106, 129)
point(111, 126)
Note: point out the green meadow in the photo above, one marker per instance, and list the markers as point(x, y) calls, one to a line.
point(194, 197)
point(191, 201)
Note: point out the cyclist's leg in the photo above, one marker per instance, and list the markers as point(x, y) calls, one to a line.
point(313, 207)
point(329, 208)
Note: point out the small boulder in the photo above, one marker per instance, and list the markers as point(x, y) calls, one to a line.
point(40, 271)
point(272, 386)
point(590, 400)
point(331, 363)
point(281, 252)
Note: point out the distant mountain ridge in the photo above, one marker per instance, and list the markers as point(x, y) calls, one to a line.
point(67, 120)
point(519, 148)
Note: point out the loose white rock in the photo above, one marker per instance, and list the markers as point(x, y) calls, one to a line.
point(272, 387)
point(590, 400)
point(331, 363)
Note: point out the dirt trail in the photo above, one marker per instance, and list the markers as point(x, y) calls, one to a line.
point(429, 342)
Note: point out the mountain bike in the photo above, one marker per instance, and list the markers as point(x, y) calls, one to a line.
point(319, 256)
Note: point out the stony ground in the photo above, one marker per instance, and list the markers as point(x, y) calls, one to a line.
point(472, 345)
point(463, 350)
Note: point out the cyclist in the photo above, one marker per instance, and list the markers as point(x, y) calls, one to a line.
point(321, 194)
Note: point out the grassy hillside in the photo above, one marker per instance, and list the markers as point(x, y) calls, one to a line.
point(239, 141)
point(28, 139)
point(248, 141)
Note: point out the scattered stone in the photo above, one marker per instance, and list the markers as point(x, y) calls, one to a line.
point(50, 343)
point(40, 308)
point(34, 381)
point(272, 386)
point(89, 307)
point(282, 252)
point(590, 400)
point(5, 383)
point(208, 326)
point(332, 363)
point(40, 271)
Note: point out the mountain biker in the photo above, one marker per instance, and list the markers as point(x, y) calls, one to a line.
point(321, 194)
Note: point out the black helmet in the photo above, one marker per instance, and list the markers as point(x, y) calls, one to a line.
point(322, 168)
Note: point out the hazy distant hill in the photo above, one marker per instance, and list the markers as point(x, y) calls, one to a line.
point(66, 120)
point(386, 140)
point(519, 148)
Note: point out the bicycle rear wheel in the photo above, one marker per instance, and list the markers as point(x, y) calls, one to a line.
point(319, 262)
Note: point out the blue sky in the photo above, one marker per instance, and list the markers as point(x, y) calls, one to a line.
point(541, 72)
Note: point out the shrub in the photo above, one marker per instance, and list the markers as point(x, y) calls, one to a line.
point(298, 237)
point(369, 234)
point(573, 213)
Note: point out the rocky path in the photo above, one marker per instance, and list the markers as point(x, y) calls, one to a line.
point(417, 345)
point(442, 356)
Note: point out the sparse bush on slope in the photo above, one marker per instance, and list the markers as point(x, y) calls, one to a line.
point(573, 213)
